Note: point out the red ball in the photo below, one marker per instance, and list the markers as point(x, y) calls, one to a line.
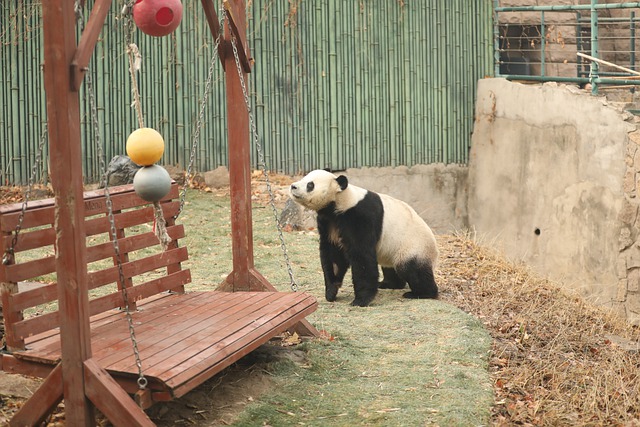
point(157, 17)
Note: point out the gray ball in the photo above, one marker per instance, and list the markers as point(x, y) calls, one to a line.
point(152, 183)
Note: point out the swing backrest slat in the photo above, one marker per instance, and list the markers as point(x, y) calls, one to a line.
point(29, 289)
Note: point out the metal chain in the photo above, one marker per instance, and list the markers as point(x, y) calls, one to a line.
point(263, 166)
point(9, 254)
point(203, 105)
point(142, 381)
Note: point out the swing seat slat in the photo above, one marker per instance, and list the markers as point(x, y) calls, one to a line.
point(183, 338)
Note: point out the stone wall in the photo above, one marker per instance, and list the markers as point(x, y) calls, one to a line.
point(553, 181)
point(628, 291)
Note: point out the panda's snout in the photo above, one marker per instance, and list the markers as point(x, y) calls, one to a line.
point(294, 190)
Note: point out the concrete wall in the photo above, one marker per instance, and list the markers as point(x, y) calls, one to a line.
point(547, 180)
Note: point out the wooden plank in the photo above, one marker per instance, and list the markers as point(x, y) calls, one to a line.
point(31, 269)
point(132, 243)
point(122, 197)
point(204, 370)
point(46, 338)
point(16, 365)
point(108, 330)
point(42, 212)
point(157, 333)
point(174, 349)
point(129, 218)
point(138, 267)
point(111, 399)
point(38, 238)
point(43, 401)
point(88, 41)
point(148, 322)
point(32, 239)
point(181, 352)
point(34, 216)
point(41, 323)
point(233, 329)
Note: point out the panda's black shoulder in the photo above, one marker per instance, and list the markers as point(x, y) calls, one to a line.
point(368, 209)
point(371, 202)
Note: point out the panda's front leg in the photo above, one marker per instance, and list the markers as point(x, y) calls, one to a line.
point(334, 267)
point(364, 272)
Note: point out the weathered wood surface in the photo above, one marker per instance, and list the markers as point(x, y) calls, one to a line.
point(183, 339)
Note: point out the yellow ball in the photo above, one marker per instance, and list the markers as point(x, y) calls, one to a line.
point(145, 146)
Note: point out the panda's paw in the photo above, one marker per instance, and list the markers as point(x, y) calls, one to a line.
point(363, 301)
point(360, 303)
point(331, 293)
point(391, 285)
point(412, 295)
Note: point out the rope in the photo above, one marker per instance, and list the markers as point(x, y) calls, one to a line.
point(135, 64)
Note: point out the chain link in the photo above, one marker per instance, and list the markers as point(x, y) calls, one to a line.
point(9, 254)
point(263, 166)
point(142, 381)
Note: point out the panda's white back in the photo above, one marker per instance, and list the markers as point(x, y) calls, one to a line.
point(404, 234)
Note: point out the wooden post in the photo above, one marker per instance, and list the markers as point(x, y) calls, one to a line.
point(243, 277)
point(63, 115)
point(78, 379)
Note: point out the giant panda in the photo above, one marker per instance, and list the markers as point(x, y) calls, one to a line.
point(362, 229)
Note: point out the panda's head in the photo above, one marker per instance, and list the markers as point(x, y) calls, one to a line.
point(318, 189)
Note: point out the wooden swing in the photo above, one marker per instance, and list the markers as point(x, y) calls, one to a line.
point(85, 347)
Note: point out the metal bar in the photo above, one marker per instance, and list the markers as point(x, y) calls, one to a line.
point(579, 70)
point(593, 74)
point(543, 39)
point(579, 80)
point(557, 8)
point(632, 36)
point(496, 38)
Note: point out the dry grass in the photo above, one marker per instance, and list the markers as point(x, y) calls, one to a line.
point(556, 359)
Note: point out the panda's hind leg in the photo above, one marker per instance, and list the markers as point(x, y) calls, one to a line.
point(391, 280)
point(419, 276)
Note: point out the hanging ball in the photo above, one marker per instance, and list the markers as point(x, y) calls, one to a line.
point(157, 17)
point(145, 146)
point(152, 183)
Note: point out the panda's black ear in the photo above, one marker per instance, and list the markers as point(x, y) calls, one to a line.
point(342, 181)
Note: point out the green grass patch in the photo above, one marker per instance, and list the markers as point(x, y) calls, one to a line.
point(396, 363)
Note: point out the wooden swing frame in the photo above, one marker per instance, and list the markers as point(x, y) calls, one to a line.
point(79, 379)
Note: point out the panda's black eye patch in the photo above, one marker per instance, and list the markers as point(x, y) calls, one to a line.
point(310, 187)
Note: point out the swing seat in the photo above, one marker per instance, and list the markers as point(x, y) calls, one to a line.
point(183, 338)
